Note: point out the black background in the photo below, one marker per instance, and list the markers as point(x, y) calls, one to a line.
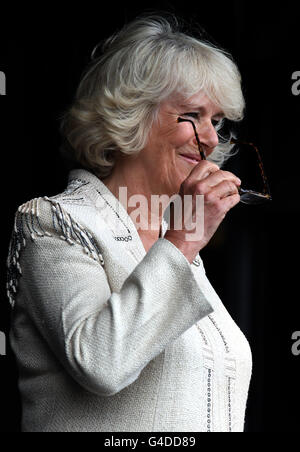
point(253, 259)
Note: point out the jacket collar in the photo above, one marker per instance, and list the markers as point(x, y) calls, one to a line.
point(112, 211)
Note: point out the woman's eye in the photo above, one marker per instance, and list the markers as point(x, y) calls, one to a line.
point(194, 115)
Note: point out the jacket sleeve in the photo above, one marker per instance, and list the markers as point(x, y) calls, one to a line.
point(103, 339)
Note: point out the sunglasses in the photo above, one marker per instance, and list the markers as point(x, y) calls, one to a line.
point(246, 196)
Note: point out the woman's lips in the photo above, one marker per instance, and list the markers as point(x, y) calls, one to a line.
point(190, 159)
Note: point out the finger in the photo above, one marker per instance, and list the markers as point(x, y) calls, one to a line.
point(223, 190)
point(230, 201)
point(202, 170)
point(218, 176)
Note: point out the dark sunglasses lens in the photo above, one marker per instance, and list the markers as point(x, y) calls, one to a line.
point(253, 197)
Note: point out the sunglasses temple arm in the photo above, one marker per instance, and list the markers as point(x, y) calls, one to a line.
point(261, 166)
point(202, 154)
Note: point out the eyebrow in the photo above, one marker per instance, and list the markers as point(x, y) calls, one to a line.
point(201, 109)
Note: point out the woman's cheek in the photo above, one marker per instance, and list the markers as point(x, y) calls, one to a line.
point(184, 135)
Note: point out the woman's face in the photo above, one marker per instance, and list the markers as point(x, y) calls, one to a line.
point(169, 141)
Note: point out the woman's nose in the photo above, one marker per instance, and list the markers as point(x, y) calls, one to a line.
point(207, 136)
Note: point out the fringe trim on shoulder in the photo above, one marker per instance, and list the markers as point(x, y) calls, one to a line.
point(27, 219)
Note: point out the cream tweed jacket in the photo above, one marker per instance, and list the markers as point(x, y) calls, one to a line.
point(109, 338)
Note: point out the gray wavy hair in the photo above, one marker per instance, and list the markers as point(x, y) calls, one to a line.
point(119, 95)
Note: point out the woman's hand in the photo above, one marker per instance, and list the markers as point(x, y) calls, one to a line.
point(220, 191)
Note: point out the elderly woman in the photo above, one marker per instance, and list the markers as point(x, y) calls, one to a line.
point(115, 326)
